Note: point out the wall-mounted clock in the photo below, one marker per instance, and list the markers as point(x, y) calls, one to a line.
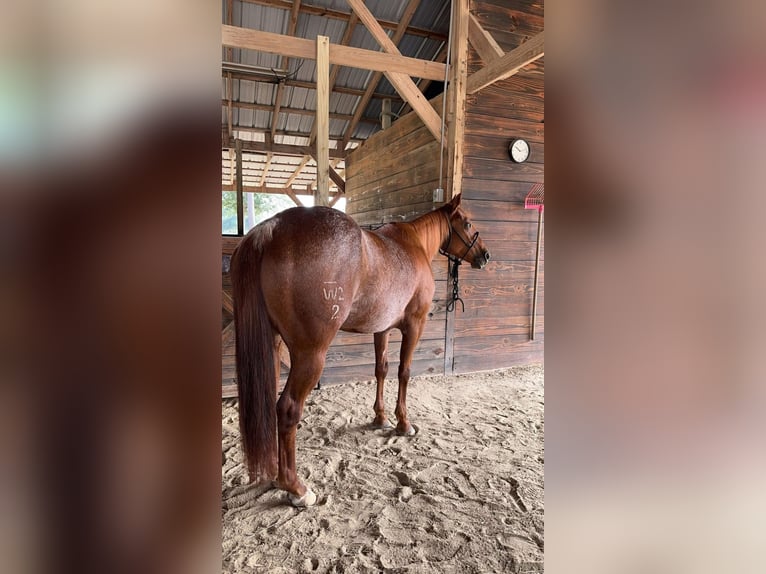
point(518, 149)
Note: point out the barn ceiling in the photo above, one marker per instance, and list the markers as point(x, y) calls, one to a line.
point(271, 99)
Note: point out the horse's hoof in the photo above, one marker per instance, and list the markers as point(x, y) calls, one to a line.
point(385, 425)
point(308, 499)
point(409, 431)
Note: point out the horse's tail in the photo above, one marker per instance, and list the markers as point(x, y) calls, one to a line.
point(256, 372)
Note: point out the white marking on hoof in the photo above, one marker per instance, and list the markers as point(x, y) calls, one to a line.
point(385, 425)
point(409, 432)
point(308, 499)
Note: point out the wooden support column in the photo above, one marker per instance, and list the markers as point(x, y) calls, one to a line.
point(385, 115)
point(240, 196)
point(456, 102)
point(322, 196)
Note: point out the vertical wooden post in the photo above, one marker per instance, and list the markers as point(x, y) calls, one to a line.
point(454, 148)
point(323, 121)
point(240, 202)
point(537, 271)
point(385, 115)
point(457, 89)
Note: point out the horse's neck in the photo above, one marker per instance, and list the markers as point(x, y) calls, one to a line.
point(431, 230)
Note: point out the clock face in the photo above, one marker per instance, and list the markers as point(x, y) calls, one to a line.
point(519, 150)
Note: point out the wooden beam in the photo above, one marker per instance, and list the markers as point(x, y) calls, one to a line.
point(336, 198)
point(265, 170)
point(343, 55)
point(280, 149)
point(294, 197)
point(338, 15)
point(268, 79)
point(227, 302)
point(240, 197)
point(457, 86)
point(508, 65)
point(297, 171)
point(227, 335)
point(271, 190)
point(336, 69)
point(483, 42)
point(385, 115)
point(441, 57)
point(296, 111)
point(334, 175)
point(323, 120)
point(399, 80)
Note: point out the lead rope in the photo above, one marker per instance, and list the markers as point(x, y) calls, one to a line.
point(453, 272)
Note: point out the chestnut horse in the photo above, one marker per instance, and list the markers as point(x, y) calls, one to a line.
point(303, 275)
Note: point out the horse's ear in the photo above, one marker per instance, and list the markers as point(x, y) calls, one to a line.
point(455, 203)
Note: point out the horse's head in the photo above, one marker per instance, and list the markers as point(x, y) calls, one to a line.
point(463, 241)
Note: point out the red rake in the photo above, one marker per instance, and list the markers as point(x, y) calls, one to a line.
point(535, 199)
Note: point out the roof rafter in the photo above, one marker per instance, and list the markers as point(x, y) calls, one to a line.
point(400, 78)
point(250, 39)
point(375, 80)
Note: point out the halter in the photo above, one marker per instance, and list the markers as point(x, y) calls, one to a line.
point(456, 261)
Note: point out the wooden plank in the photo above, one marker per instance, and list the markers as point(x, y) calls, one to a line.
point(291, 194)
point(482, 124)
point(227, 302)
point(227, 335)
point(296, 111)
point(505, 170)
point(240, 197)
point(508, 65)
point(483, 42)
point(297, 171)
point(282, 149)
point(347, 34)
point(402, 155)
point(322, 121)
point(249, 39)
point(457, 94)
point(256, 77)
point(508, 357)
point(496, 148)
point(399, 78)
point(340, 374)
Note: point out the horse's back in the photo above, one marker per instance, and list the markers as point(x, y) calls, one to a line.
point(311, 259)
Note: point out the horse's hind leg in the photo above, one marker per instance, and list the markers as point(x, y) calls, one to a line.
point(305, 370)
point(381, 370)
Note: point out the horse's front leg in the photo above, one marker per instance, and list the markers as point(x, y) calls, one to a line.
point(411, 333)
point(381, 370)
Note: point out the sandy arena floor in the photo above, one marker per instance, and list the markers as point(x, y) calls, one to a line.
point(464, 495)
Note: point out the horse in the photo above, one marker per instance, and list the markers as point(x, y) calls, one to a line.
point(303, 275)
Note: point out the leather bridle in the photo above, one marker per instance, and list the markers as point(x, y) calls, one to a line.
point(455, 263)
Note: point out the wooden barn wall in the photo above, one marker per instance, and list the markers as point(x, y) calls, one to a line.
point(392, 178)
point(494, 331)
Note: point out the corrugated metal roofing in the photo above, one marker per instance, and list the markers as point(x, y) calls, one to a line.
point(293, 128)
